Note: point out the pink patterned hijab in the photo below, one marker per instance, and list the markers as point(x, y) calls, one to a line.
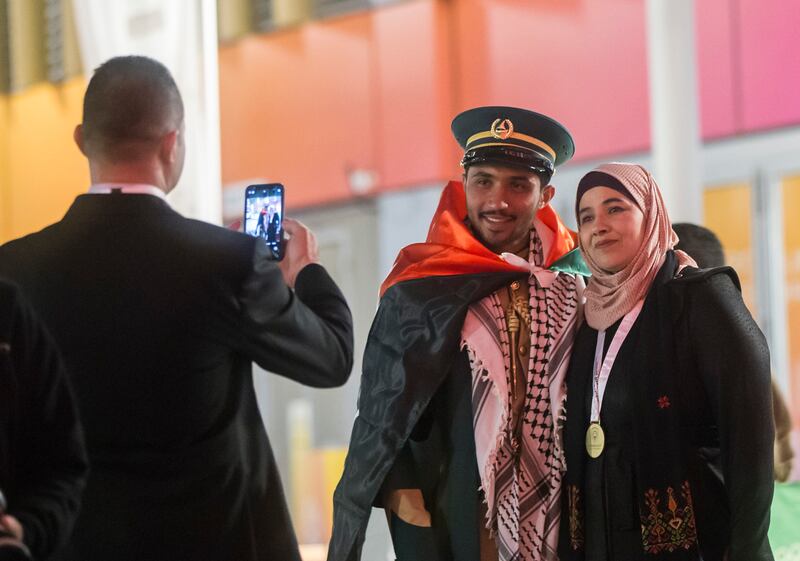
point(609, 296)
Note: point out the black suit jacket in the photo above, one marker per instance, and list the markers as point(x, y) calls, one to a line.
point(43, 463)
point(159, 318)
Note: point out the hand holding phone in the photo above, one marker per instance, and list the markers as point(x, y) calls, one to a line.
point(263, 215)
point(301, 250)
point(11, 546)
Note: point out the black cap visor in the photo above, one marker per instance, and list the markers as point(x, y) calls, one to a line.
point(508, 156)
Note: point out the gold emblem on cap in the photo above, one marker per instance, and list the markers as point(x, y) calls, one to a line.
point(502, 128)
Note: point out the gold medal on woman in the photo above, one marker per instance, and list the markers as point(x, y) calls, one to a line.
point(595, 439)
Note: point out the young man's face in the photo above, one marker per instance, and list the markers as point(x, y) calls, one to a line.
point(502, 203)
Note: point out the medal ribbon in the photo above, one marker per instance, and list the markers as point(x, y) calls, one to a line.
point(602, 372)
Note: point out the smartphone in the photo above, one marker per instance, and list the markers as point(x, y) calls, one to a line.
point(263, 215)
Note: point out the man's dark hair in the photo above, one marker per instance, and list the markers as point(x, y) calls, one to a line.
point(701, 244)
point(131, 101)
point(544, 178)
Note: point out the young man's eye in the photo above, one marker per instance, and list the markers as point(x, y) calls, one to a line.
point(585, 218)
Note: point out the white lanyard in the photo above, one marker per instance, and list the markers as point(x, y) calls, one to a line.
point(601, 373)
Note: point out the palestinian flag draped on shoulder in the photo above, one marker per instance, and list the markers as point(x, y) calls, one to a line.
point(451, 249)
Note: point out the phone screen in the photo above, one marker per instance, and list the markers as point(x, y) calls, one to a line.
point(263, 215)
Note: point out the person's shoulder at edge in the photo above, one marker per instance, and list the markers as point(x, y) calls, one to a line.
point(716, 301)
point(714, 282)
point(21, 241)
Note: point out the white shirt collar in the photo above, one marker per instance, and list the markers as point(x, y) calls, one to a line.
point(128, 189)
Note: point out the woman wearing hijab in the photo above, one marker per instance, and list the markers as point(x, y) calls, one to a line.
point(668, 437)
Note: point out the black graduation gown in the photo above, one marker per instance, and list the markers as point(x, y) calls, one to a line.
point(411, 361)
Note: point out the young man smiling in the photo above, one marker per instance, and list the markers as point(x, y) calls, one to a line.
point(500, 203)
point(457, 435)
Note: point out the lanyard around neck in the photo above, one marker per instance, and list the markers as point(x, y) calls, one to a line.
point(602, 371)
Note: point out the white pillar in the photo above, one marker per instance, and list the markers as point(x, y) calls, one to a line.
point(182, 34)
point(674, 114)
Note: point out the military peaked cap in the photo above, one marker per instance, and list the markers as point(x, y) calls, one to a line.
point(512, 136)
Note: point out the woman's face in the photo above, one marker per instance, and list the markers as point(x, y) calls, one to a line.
point(610, 227)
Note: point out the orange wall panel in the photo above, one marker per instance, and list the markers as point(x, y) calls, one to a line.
point(414, 90)
point(791, 244)
point(728, 213)
point(470, 56)
point(5, 189)
point(296, 108)
point(43, 170)
point(371, 91)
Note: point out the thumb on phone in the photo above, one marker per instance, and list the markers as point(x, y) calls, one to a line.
point(300, 250)
point(11, 525)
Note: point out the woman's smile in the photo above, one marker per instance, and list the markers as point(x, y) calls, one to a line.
point(610, 228)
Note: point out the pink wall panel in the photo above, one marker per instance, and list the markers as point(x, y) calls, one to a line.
point(769, 63)
point(584, 63)
point(717, 83)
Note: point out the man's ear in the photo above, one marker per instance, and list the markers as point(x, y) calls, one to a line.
point(77, 136)
point(547, 195)
point(168, 150)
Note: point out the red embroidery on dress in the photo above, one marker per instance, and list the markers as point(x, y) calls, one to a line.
point(669, 525)
point(663, 402)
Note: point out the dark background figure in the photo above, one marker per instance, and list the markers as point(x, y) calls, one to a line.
point(705, 247)
point(273, 227)
point(43, 464)
point(263, 221)
point(159, 318)
point(700, 243)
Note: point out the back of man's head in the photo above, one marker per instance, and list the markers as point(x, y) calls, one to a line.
point(130, 103)
point(700, 243)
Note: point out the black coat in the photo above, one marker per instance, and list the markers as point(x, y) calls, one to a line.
point(159, 318)
point(439, 459)
point(413, 353)
point(724, 441)
point(43, 463)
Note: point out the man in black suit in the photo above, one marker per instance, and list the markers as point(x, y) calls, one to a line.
point(159, 318)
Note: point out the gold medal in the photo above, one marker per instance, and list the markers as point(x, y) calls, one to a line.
point(595, 439)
